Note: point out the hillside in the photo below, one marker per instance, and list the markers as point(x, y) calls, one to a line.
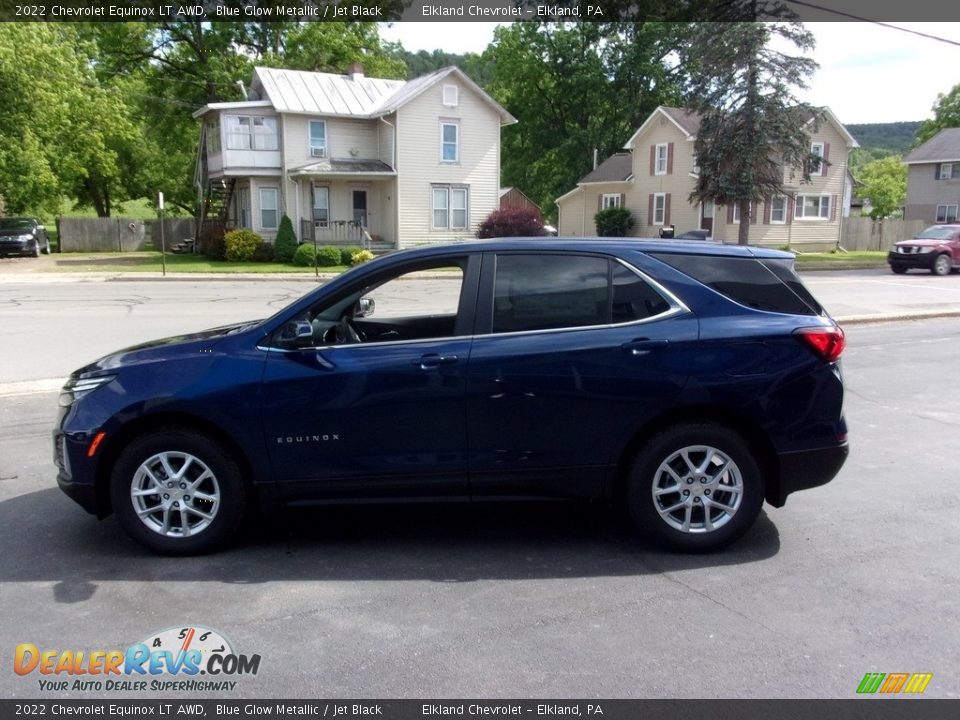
point(890, 138)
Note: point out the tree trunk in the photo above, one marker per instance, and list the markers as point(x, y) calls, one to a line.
point(743, 236)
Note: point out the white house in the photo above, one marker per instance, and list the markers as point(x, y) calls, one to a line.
point(352, 159)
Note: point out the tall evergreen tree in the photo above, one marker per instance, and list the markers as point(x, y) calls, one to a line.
point(752, 126)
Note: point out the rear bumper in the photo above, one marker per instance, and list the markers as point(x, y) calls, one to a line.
point(807, 469)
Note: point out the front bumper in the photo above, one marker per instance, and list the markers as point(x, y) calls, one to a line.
point(911, 260)
point(807, 469)
point(8, 247)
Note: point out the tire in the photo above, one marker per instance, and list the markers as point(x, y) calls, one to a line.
point(202, 510)
point(46, 248)
point(672, 459)
point(942, 265)
point(36, 249)
point(898, 269)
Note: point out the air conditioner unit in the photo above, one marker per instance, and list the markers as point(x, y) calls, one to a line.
point(318, 152)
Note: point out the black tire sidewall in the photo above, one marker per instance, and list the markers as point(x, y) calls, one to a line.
point(640, 501)
point(232, 492)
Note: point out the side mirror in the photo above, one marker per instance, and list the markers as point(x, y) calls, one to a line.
point(303, 330)
point(365, 307)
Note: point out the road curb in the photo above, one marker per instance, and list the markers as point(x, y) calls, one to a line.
point(896, 317)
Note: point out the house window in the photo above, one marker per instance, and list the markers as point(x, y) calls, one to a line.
point(213, 137)
point(318, 138)
point(946, 213)
point(661, 159)
point(696, 165)
point(610, 200)
point(450, 95)
point(251, 133)
point(450, 142)
point(736, 213)
point(778, 210)
point(321, 206)
point(813, 207)
point(659, 208)
point(817, 167)
point(949, 171)
point(449, 207)
point(268, 208)
point(264, 133)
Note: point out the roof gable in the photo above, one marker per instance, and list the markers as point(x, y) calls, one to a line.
point(942, 147)
point(687, 122)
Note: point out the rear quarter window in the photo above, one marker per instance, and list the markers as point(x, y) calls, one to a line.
point(769, 285)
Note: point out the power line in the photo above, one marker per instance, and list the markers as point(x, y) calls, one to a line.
point(875, 22)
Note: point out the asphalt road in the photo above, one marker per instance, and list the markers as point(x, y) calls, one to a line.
point(502, 601)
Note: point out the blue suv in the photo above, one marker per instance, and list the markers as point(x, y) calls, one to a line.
point(686, 382)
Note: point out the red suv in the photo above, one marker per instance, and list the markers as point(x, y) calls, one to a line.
point(936, 249)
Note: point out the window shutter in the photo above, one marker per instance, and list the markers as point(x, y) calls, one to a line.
point(936, 171)
point(650, 210)
point(826, 158)
point(669, 160)
point(599, 202)
point(753, 212)
point(767, 202)
point(790, 202)
point(653, 159)
point(623, 199)
point(666, 208)
point(833, 207)
point(730, 214)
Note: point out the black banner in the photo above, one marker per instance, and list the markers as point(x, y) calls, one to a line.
point(854, 709)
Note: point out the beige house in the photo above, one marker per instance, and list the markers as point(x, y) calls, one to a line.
point(352, 159)
point(933, 179)
point(656, 174)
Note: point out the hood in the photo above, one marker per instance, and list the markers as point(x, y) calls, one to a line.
point(169, 348)
point(921, 242)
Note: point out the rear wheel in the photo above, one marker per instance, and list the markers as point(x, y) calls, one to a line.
point(178, 492)
point(695, 488)
point(942, 265)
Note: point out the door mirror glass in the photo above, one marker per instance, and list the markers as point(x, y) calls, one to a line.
point(365, 307)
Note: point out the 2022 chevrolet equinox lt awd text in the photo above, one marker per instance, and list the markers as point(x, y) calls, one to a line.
point(687, 381)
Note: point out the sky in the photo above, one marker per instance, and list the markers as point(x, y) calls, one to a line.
point(868, 73)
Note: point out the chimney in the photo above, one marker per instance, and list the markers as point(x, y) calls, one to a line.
point(355, 72)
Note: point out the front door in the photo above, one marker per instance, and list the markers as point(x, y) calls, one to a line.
point(706, 217)
point(373, 405)
point(360, 207)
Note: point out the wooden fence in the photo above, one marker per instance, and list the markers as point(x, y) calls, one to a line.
point(120, 234)
point(862, 233)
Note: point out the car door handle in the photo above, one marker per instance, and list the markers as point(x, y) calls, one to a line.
point(432, 360)
point(642, 346)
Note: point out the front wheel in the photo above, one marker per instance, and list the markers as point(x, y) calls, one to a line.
point(178, 492)
point(695, 488)
point(898, 269)
point(942, 265)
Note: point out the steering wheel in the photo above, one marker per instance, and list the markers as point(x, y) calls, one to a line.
point(345, 333)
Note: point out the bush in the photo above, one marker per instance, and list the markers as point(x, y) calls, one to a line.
point(328, 256)
point(264, 252)
point(241, 244)
point(613, 222)
point(286, 244)
point(304, 256)
point(512, 222)
point(347, 253)
point(212, 245)
point(361, 256)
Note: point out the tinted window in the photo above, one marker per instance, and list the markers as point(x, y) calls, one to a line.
point(633, 298)
point(537, 292)
point(748, 282)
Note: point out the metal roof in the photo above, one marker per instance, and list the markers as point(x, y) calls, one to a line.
point(298, 91)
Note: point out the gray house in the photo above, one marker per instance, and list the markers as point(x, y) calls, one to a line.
point(933, 179)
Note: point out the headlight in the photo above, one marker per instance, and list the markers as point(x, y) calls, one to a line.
point(24, 238)
point(925, 249)
point(76, 388)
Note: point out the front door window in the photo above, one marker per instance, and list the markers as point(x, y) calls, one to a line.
point(360, 207)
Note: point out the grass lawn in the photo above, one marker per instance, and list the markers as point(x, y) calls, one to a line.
point(139, 209)
point(150, 261)
point(841, 260)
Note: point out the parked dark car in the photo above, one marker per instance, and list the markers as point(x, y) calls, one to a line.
point(686, 382)
point(23, 236)
point(694, 235)
point(936, 249)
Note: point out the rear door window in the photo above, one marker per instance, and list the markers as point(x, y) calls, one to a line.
point(541, 292)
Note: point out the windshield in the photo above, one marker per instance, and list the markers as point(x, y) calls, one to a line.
point(936, 232)
point(16, 224)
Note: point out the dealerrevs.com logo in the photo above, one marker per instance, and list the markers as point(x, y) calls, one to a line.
point(172, 659)
point(894, 683)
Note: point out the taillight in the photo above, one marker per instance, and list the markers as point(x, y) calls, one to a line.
point(827, 343)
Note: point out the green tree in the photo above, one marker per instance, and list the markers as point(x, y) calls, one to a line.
point(574, 88)
point(751, 123)
point(884, 184)
point(946, 114)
